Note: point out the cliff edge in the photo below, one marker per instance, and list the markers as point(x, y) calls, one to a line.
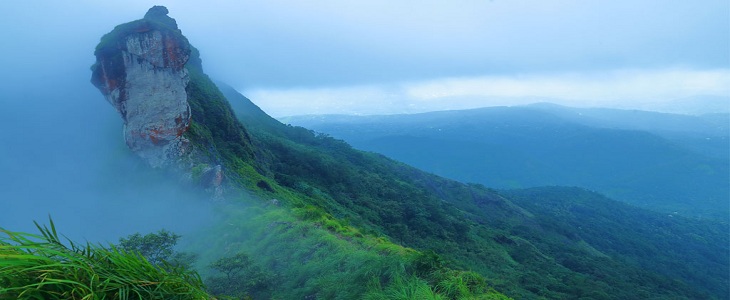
point(140, 69)
point(174, 115)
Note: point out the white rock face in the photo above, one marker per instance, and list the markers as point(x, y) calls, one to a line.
point(141, 70)
point(152, 98)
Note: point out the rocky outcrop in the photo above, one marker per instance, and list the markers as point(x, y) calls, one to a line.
point(140, 69)
point(175, 117)
point(212, 179)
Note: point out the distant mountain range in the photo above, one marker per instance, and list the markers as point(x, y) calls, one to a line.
point(695, 105)
point(665, 162)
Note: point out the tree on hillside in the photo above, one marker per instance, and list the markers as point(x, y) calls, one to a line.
point(241, 278)
point(158, 248)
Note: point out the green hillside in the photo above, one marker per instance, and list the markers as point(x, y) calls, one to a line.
point(518, 250)
point(663, 162)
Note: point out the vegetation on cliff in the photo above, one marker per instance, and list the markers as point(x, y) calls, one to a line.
point(214, 129)
point(110, 64)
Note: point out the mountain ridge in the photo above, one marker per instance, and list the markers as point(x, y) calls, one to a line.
point(513, 147)
point(505, 217)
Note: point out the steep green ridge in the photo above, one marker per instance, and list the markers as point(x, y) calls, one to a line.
point(214, 128)
point(663, 162)
point(323, 224)
point(519, 250)
point(359, 257)
point(281, 155)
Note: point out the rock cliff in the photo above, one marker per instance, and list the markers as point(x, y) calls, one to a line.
point(140, 69)
point(174, 116)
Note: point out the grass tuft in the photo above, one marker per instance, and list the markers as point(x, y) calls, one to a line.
point(41, 266)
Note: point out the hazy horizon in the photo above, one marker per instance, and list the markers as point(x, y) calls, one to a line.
point(692, 105)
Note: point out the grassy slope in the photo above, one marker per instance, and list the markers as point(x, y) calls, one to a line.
point(470, 226)
point(309, 224)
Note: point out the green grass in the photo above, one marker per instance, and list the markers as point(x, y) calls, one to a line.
point(311, 253)
point(41, 266)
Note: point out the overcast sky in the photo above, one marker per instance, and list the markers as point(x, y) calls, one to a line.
point(384, 56)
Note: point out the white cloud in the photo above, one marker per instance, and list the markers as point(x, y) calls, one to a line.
point(340, 100)
point(646, 89)
point(608, 86)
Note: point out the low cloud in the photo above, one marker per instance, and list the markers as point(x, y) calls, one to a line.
point(639, 89)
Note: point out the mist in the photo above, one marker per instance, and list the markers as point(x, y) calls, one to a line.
point(62, 154)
